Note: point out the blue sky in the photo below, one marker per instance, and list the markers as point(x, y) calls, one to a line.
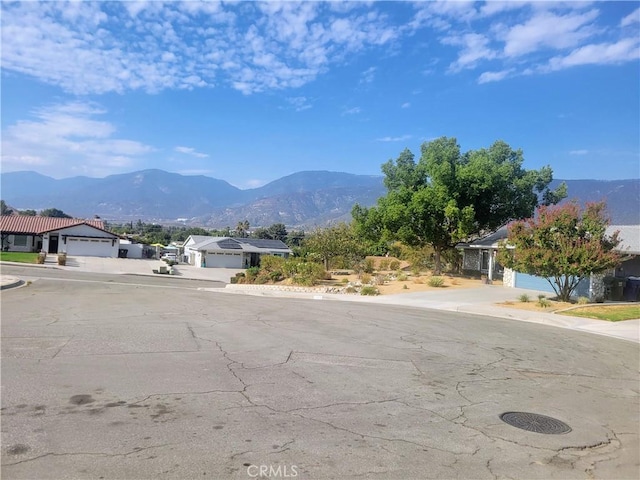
point(249, 92)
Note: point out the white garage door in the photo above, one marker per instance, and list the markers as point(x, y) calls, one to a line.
point(89, 247)
point(224, 260)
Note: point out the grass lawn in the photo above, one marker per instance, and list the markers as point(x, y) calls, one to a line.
point(22, 257)
point(612, 313)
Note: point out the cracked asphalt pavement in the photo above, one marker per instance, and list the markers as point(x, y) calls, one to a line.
point(132, 380)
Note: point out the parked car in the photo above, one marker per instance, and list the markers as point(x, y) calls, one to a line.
point(169, 256)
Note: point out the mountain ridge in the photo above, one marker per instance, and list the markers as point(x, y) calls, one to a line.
point(301, 199)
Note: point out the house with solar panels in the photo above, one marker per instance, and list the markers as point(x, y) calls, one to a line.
point(230, 252)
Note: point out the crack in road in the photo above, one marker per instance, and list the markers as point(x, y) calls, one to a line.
point(98, 454)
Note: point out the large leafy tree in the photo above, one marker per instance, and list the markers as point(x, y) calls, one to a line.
point(336, 241)
point(447, 196)
point(563, 245)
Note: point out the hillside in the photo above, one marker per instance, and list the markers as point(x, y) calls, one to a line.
point(303, 199)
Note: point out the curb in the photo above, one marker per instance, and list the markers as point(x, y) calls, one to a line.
point(10, 282)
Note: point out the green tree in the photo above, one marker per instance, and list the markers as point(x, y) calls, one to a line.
point(562, 244)
point(4, 209)
point(28, 213)
point(54, 212)
point(277, 231)
point(242, 229)
point(328, 243)
point(447, 197)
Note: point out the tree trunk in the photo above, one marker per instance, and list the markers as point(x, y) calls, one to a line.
point(438, 263)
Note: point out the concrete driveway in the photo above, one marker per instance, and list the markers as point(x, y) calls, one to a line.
point(105, 380)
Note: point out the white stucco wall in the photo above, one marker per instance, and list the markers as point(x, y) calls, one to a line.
point(31, 243)
point(73, 240)
point(134, 250)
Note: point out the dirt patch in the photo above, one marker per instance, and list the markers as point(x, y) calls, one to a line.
point(388, 284)
point(534, 306)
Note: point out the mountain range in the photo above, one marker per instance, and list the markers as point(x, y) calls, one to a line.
point(300, 200)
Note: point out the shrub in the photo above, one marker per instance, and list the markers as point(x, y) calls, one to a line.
point(350, 289)
point(262, 278)
point(340, 262)
point(271, 263)
point(275, 276)
point(404, 287)
point(543, 302)
point(394, 265)
point(401, 277)
point(524, 298)
point(252, 271)
point(384, 264)
point(303, 273)
point(415, 269)
point(379, 279)
point(436, 282)
point(369, 290)
point(365, 278)
point(368, 266)
point(541, 296)
point(62, 259)
point(583, 300)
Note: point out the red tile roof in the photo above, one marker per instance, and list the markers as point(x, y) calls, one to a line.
point(26, 224)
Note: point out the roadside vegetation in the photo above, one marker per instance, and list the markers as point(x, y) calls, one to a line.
point(611, 313)
point(563, 244)
point(21, 257)
point(151, 233)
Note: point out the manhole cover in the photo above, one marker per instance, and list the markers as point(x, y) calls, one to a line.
point(535, 423)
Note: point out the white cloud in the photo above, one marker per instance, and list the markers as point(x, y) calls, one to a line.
point(487, 77)
point(299, 103)
point(525, 38)
point(393, 139)
point(475, 47)
point(65, 140)
point(549, 30)
point(405, 105)
point(190, 151)
point(99, 47)
point(368, 75)
point(578, 152)
point(352, 111)
point(605, 53)
point(633, 17)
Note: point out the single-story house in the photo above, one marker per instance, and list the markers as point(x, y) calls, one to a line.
point(24, 233)
point(230, 252)
point(479, 257)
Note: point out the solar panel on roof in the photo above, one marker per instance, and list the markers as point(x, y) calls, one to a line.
point(229, 244)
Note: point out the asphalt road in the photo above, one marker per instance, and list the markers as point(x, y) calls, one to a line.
point(144, 377)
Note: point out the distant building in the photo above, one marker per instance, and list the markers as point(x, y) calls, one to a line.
point(230, 252)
